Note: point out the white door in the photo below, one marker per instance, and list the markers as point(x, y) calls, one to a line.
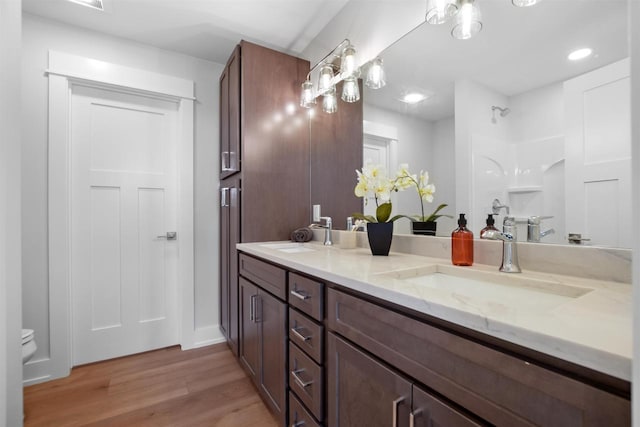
point(375, 152)
point(598, 155)
point(123, 203)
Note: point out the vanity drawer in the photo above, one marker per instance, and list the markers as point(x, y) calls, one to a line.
point(269, 277)
point(307, 334)
point(306, 295)
point(500, 387)
point(306, 380)
point(298, 414)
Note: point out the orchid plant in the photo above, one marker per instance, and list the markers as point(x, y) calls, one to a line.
point(406, 179)
point(373, 183)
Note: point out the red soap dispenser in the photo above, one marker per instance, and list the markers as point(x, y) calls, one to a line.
point(462, 243)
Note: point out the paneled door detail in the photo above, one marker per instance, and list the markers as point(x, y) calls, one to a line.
point(123, 210)
point(598, 150)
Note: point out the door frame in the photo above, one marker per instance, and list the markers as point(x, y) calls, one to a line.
point(65, 70)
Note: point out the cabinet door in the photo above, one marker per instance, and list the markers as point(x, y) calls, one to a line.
point(272, 321)
point(230, 116)
point(363, 392)
point(229, 236)
point(429, 411)
point(249, 340)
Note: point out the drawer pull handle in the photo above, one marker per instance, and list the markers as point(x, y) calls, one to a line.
point(296, 332)
point(252, 308)
point(301, 383)
point(297, 294)
point(396, 403)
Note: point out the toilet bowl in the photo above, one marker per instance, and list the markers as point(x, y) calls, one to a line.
point(28, 345)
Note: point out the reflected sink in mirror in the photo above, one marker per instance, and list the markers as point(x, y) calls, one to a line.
point(489, 290)
point(290, 248)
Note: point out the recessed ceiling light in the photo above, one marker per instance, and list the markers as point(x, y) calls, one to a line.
point(95, 4)
point(576, 55)
point(413, 98)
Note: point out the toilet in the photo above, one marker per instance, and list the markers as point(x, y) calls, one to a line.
point(28, 345)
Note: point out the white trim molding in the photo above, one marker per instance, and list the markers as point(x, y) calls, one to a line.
point(64, 70)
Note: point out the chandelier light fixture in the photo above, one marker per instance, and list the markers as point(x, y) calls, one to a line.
point(467, 19)
point(340, 65)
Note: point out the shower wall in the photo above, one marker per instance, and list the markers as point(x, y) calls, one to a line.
point(518, 159)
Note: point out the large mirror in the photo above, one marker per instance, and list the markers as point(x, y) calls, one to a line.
point(508, 116)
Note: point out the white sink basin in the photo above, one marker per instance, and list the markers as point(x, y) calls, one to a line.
point(488, 290)
point(290, 248)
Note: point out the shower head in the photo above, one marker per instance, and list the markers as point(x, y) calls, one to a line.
point(503, 111)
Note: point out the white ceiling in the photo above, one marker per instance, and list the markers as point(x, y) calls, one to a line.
point(207, 29)
point(518, 49)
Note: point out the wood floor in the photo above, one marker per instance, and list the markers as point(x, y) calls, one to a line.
point(169, 387)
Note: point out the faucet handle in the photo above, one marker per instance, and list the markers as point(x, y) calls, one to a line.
point(535, 220)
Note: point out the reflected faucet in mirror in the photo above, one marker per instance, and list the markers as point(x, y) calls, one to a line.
point(533, 229)
point(497, 205)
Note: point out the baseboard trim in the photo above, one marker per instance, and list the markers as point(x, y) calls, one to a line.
point(203, 337)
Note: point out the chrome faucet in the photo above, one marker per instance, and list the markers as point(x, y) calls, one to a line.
point(327, 230)
point(533, 229)
point(508, 236)
point(497, 205)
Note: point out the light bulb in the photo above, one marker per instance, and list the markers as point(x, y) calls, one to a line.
point(324, 78)
point(307, 97)
point(468, 21)
point(440, 11)
point(376, 77)
point(350, 90)
point(524, 3)
point(329, 101)
point(348, 61)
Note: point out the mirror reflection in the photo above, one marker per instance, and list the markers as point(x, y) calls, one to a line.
point(508, 116)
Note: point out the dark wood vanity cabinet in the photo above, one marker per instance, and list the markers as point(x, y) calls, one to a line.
point(364, 392)
point(494, 385)
point(263, 337)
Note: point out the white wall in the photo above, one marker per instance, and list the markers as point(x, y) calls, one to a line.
point(10, 298)
point(414, 146)
point(40, 35)
point(443, 173)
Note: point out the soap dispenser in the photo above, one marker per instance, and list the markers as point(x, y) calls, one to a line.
point(490, 226)
point(462, 244)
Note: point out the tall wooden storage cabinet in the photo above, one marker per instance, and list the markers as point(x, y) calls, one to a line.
point(264, 160)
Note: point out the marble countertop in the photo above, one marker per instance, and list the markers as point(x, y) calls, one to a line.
point(586, 322)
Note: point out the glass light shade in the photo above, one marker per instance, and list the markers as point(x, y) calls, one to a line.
point(468, 21)
point(350, 90)
point(440, 11)
point(329, 101)
point(348, 61)
point(524, 3)
point(376, 77)
point(307, 97)
point(324, 78)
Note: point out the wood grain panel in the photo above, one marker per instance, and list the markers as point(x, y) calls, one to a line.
point(336, 153)
point(275, 144)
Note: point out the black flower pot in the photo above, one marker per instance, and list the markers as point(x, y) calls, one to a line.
point(380, 235)
point(427, 228)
